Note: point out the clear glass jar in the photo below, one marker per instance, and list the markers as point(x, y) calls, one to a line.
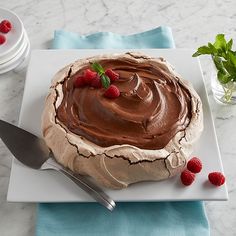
point(223, 93)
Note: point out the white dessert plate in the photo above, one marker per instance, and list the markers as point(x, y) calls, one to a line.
point(28, 185)
point(14, 52)
point(17, 56)
point(18, 59)
point(13, 37)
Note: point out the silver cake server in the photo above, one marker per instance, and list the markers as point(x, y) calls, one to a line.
point(33, 152)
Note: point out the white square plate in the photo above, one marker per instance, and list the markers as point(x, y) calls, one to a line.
point(28, 185)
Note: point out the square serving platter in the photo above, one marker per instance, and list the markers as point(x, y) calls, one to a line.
point(28, 185)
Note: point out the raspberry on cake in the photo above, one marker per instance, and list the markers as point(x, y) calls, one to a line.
point(112, 75)
point(96, 83)
point(89, 75)
point(112, 92)
point(146, 133)
point(79, 81)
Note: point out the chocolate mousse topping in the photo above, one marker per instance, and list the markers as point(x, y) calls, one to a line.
point(152, 107)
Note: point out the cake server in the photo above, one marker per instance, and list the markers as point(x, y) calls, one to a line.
point(33, 152)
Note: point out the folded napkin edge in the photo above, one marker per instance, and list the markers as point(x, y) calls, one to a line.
point(91, 35)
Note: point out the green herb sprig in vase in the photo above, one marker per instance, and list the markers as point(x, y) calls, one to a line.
point(224, 59)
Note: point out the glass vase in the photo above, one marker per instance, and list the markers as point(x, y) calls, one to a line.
point(223, 93)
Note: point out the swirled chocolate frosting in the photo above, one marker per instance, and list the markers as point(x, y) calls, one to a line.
point(152, 107)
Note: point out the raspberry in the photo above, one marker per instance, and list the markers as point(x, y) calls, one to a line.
point(89, 75)
point(194, 165)
point(2, 39)
point(5, 26)
point(187, 177)
point(112, 75)
point(216, 178)
point(79, 82)
point(112, 92)
point(96, 82)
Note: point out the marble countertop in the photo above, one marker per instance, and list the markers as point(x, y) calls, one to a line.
point(193, 23)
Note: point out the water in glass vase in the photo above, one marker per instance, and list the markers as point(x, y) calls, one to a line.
point(223, 93)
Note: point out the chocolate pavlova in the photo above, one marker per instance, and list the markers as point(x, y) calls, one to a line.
point(122, 118)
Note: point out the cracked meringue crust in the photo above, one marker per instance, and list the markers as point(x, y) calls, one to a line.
point(145, 134)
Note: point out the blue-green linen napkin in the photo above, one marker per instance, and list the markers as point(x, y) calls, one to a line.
point(160, 37)
point(138, 219)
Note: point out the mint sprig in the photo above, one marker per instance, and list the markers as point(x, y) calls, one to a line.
point(224, 59)
point(101, 72)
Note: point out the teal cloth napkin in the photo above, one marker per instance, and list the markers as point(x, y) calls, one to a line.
point(138, 219)
point(160, 37)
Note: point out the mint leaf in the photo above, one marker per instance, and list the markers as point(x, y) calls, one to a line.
point(223, 78)
point(229, 44)
point(202, 51)
point(229, 67)
point(220, 42)
point(224, 59)
point(219, 64)
point(105, 81)
point(101, 72)
point(234, 53)
point(232, 59)
point(98, 68)
point(196, 54)
point(212, 48)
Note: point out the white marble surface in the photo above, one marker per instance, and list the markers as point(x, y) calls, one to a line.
point(193, 23)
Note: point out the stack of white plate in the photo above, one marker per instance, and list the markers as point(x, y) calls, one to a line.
point(15, 51)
